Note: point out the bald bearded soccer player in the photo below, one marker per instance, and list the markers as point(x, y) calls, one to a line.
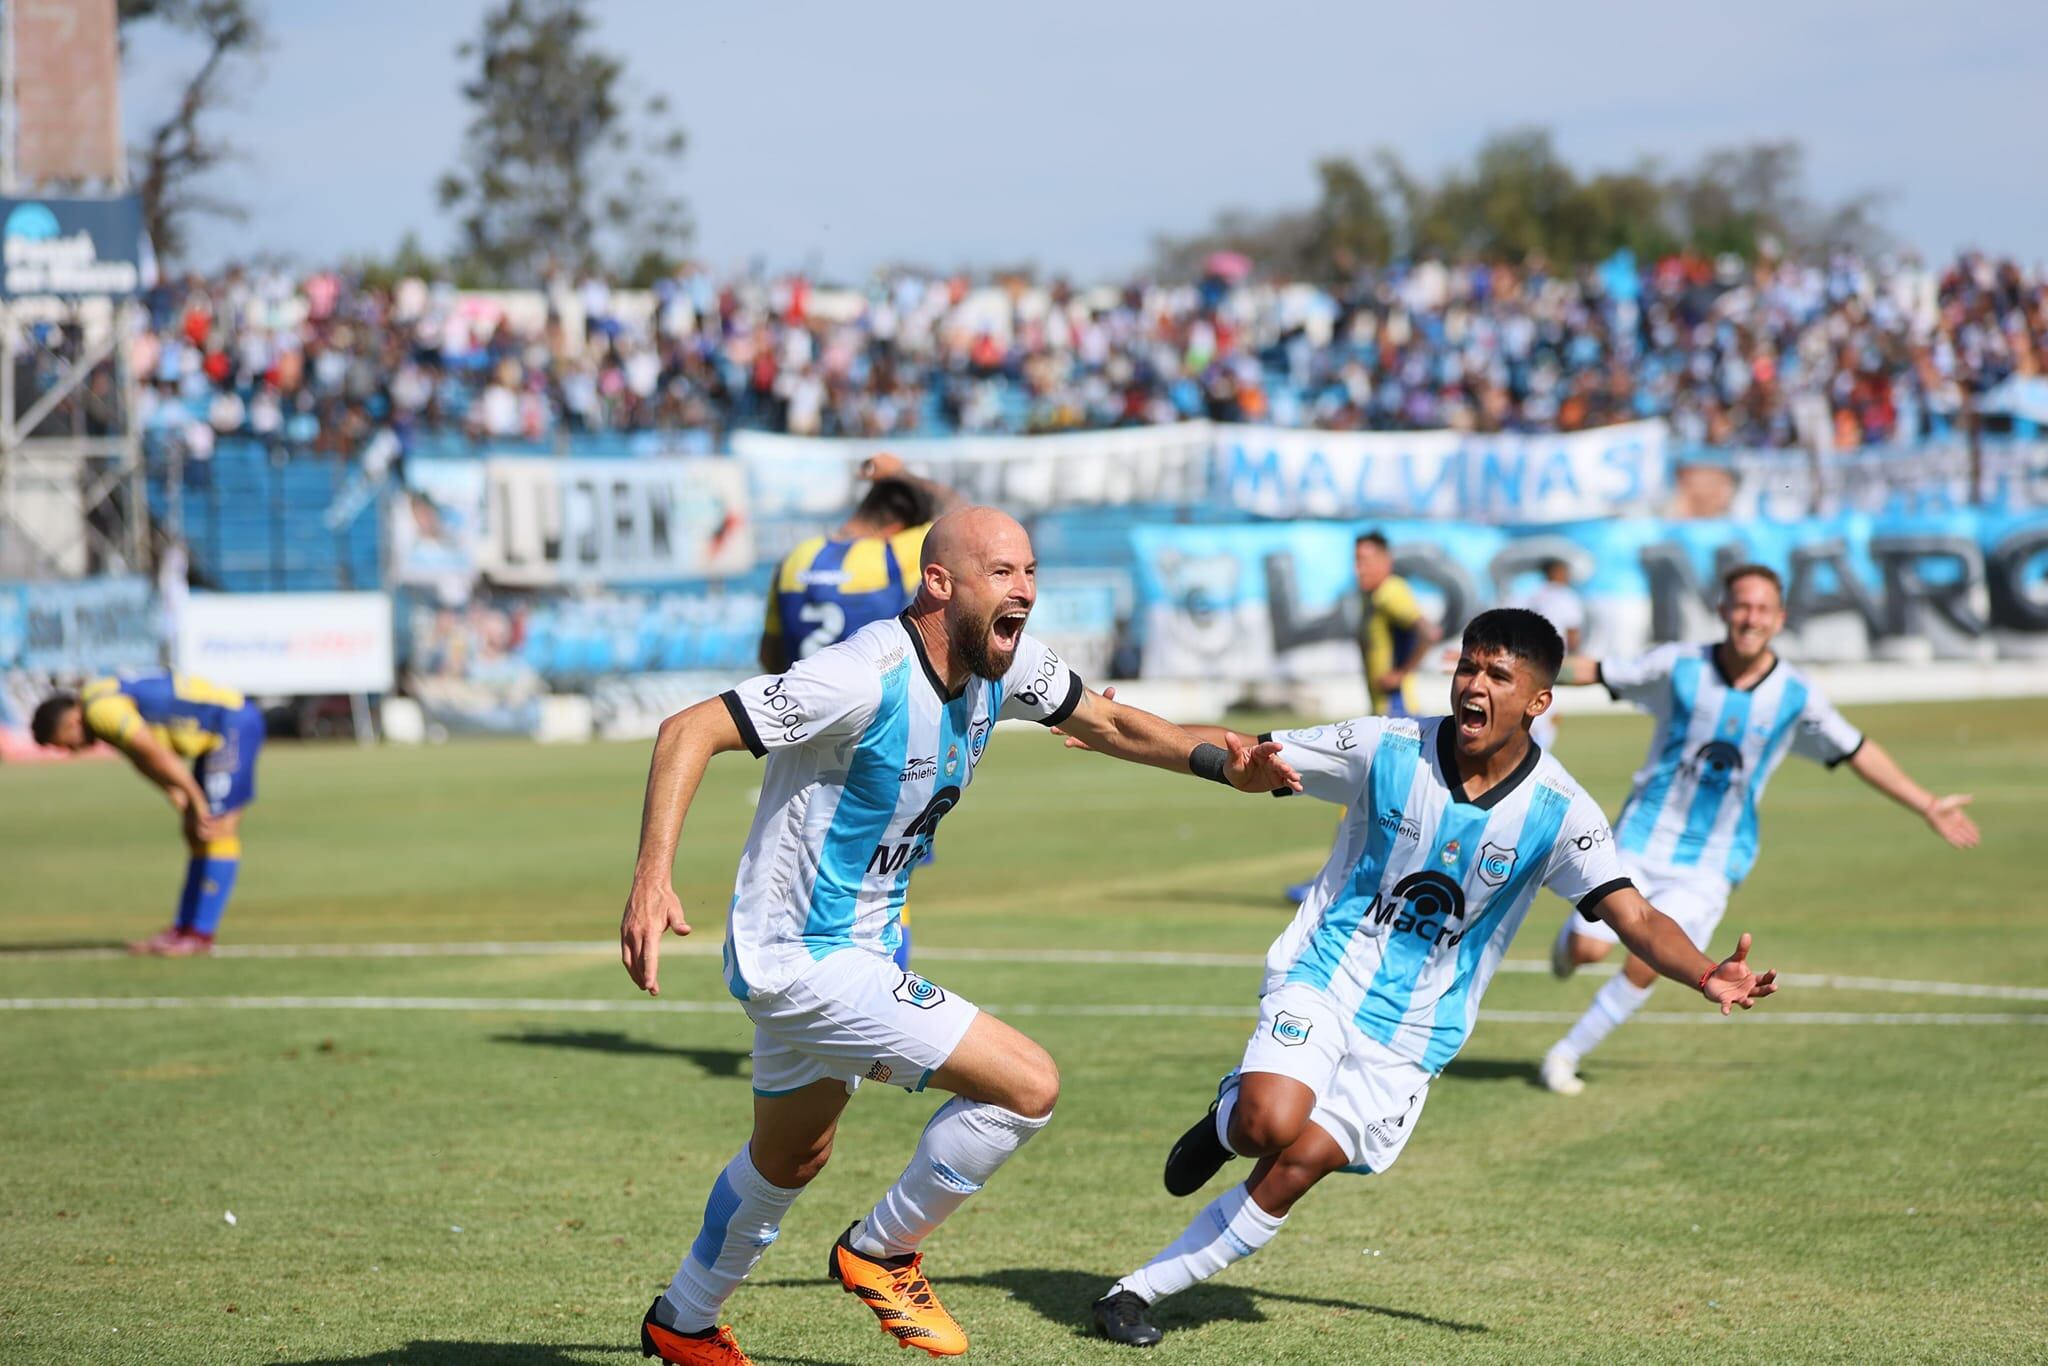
point(868, 744)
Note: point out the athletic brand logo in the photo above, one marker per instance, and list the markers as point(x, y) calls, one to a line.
point(913, 990)
point(1291, 1030)
point(1395, 821)
point(919, 768)
point(879, 1072)
point(1496, 864)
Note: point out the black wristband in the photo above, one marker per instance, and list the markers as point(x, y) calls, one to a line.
point(1209, 761)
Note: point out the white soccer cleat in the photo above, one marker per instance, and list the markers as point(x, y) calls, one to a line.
point(1561, 1072)
point(1561, 964)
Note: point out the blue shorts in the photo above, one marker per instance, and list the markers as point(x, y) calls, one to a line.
point(228, 774)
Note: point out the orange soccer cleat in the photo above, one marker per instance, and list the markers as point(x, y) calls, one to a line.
point(715, 1348)
point(904, 1301)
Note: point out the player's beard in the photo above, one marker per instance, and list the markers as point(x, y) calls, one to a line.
point(973, 644)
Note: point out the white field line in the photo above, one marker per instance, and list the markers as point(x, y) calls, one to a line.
point(625, 1006)
point(1071, 957)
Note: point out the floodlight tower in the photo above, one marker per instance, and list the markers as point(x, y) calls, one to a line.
point(72, 495)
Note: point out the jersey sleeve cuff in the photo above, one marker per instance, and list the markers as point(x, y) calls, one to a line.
point(1075, 687)
point(1846, 755)
point(744, 723)
point(1592, 899)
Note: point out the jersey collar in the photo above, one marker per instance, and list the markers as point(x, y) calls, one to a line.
point(924, 660)
point(1454, 779)
point(1714, 657)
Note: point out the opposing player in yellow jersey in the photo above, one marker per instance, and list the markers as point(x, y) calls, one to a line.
point(163, 722)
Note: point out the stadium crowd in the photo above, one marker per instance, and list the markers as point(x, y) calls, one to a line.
point(1733, 354)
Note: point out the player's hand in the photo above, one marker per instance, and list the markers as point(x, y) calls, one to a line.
point(1074, 741)
point(200, 826)
point(1389, 683)
point(1951, 822)
point(1257, 767)
point(651, 910)
point(883, 466)
point(1732, 984)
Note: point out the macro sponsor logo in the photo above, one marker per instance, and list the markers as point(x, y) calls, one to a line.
point(916, 837)
point(1423, 904)
point(1716, 764)
point(1291, 1030)
point(913, 990)
point(1395, 821)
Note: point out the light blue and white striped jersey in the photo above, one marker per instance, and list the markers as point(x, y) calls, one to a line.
point(866, 753)
point(1713, 749)
point(1424, 889)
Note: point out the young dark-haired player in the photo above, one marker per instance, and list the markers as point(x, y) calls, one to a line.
point(1451, 824)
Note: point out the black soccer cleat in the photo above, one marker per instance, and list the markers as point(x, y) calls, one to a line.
point(1196, 1156)
point(1122, 1317)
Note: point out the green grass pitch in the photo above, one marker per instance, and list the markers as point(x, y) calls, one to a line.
point(511, 1182)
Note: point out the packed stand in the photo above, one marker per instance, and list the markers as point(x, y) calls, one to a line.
point(1771, 354)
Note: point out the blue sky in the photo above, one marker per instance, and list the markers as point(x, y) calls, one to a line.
point(842, 136)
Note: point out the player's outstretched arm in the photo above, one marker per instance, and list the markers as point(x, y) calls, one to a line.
point(682, 751)
point(1656, 939)
point(1100, 722)
point(1579, 671)
point(1944, 815)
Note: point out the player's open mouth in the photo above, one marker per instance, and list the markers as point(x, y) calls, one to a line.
point(1009, 627)
point(1471, 717)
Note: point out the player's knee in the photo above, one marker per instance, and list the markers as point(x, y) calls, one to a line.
point(791, 1166)
point(1258, 1125)
point(1038, 1089)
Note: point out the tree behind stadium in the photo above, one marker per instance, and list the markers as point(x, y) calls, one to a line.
point(549, 155)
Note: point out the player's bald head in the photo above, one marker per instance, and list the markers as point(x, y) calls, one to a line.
point(965, 539)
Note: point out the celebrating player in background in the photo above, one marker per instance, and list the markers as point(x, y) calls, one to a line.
point(1392, 636)
point(1726, 715)
point(1557, 602)
point(866, 571)
point(1450, 825)
point(869, 744)
point(159, 721)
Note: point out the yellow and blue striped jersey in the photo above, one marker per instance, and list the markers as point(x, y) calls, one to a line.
point(188, 715)
point(829, 587)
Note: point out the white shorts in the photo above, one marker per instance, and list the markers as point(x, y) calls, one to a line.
point(1368, 1097)
point(855, 1016)
point(1694, 899)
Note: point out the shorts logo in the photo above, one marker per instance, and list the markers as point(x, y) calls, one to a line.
point(1291, 1030)
point(879, 1072)
point(913, 990)
point(1496, 864)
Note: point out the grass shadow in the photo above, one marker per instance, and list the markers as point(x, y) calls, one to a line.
point(425, 1353)
point(714, 1062)
point(1495, 1069)
point(31, 946)
point(1064, 1296)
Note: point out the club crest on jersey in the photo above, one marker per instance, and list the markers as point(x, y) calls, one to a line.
point(1291, 1030)
point(913, 990)
point(1496, 864)
point(977, 737)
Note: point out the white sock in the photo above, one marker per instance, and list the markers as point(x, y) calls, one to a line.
point(1231, 1229)
point(1226, 1106)
point(1612, 1004)
point(741, 1218)
point(960, 1149)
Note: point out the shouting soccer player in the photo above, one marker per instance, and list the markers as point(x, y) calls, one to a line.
point(159, 720)
point(1726, 716)
point(1451, 824)
point(869, 744)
